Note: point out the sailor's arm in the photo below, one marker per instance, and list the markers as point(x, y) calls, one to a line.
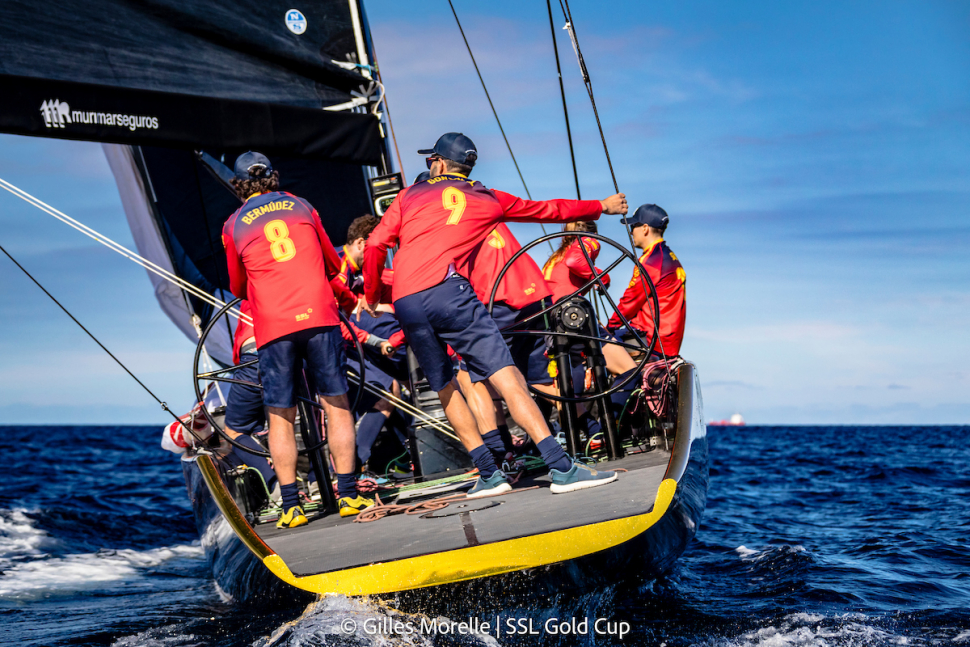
point(383, 237)
point(237, 272)
point(346, 299)
point(518, 210)
point(630, 304)
point(331, 260)
point(576, 261)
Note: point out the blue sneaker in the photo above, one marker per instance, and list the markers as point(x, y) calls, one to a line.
point(579, 477)
point(497, 483)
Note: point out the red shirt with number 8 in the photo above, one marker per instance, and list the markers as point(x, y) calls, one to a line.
point(441, 221)
point(281, 260)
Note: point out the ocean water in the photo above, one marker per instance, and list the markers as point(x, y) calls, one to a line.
point(813, 536)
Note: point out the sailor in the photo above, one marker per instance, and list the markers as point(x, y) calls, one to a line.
point(568, 269)
point(280, 258)
point(648, 225)
point(521, 294)
point(381, 338)
point(245, 415)
point(438, 224)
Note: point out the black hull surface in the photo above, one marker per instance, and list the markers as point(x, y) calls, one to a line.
point(640, 546)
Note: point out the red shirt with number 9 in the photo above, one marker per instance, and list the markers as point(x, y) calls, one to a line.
point(281, 259)
point(441, 221)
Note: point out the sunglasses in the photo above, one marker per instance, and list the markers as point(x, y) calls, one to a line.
point(431, 160)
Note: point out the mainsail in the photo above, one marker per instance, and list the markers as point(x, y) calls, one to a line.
point(160, 81)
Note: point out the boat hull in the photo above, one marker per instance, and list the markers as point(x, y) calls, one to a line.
point(646, 544)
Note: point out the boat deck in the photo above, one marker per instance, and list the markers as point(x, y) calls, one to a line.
point(332, 543)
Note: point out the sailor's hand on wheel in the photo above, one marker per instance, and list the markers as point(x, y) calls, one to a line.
point(615, 205)
point(387, 349)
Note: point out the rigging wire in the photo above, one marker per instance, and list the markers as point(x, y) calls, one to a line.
point(120, 249)
point(570, 27)
point(110, 354)
point(565, 110)
point(387, 109)
point(494, 111)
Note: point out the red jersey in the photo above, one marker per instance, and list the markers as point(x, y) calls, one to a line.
point(440, 222)
point(281, 260)
point(669, 278)
point(244, 330)
point(350, 274)
point(572, 271)
point(352, 277)
point(522, 285)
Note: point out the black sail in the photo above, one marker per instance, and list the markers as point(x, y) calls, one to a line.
point(158, 80)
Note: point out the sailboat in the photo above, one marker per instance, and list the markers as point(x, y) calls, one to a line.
point(175, 91)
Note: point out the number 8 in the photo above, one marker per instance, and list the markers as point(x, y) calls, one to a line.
point(281, 245)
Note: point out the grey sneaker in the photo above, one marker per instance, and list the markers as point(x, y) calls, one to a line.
point(579, 477)
point(497, 483)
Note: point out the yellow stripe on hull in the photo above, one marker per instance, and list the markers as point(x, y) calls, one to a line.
point(479, 561)
point(448, 566)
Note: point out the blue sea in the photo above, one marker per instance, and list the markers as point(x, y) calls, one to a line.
point(813, 536)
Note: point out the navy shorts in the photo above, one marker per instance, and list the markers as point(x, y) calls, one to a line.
point(281, 360)
point(244, 405)
point(450, 313)
point(528, 351)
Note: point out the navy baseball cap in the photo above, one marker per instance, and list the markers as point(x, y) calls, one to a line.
point(252, 165)
point(648, 214)
point(423, 176)
point(454, 146)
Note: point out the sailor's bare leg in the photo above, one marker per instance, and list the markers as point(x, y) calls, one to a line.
point(282, 443)
point(340, 432)
point(511, 385)
point(460, 416)
point(480, 402)
point(618, 361)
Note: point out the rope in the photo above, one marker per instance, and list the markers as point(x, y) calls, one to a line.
point(381, 510)
point(110, 354)
point(120, 249)
point(494, 111)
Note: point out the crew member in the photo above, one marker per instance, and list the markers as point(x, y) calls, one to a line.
point(381, 337)
point(281, 259)
point(648, 225)
point(245, 415)
point(568, 270)
point(522, 293)
point(438, 224)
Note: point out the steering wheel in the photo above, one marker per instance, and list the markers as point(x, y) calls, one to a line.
point(640, 345)
point(219, 375)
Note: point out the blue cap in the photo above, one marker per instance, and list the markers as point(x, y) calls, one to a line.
point(454, 146)
point(423, 176)
point(648, 214)
point(251, 165)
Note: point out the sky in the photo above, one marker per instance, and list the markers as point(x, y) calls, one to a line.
point(812, 156)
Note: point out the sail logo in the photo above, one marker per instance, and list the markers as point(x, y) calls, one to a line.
point(295, 21)
point(55, 112)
